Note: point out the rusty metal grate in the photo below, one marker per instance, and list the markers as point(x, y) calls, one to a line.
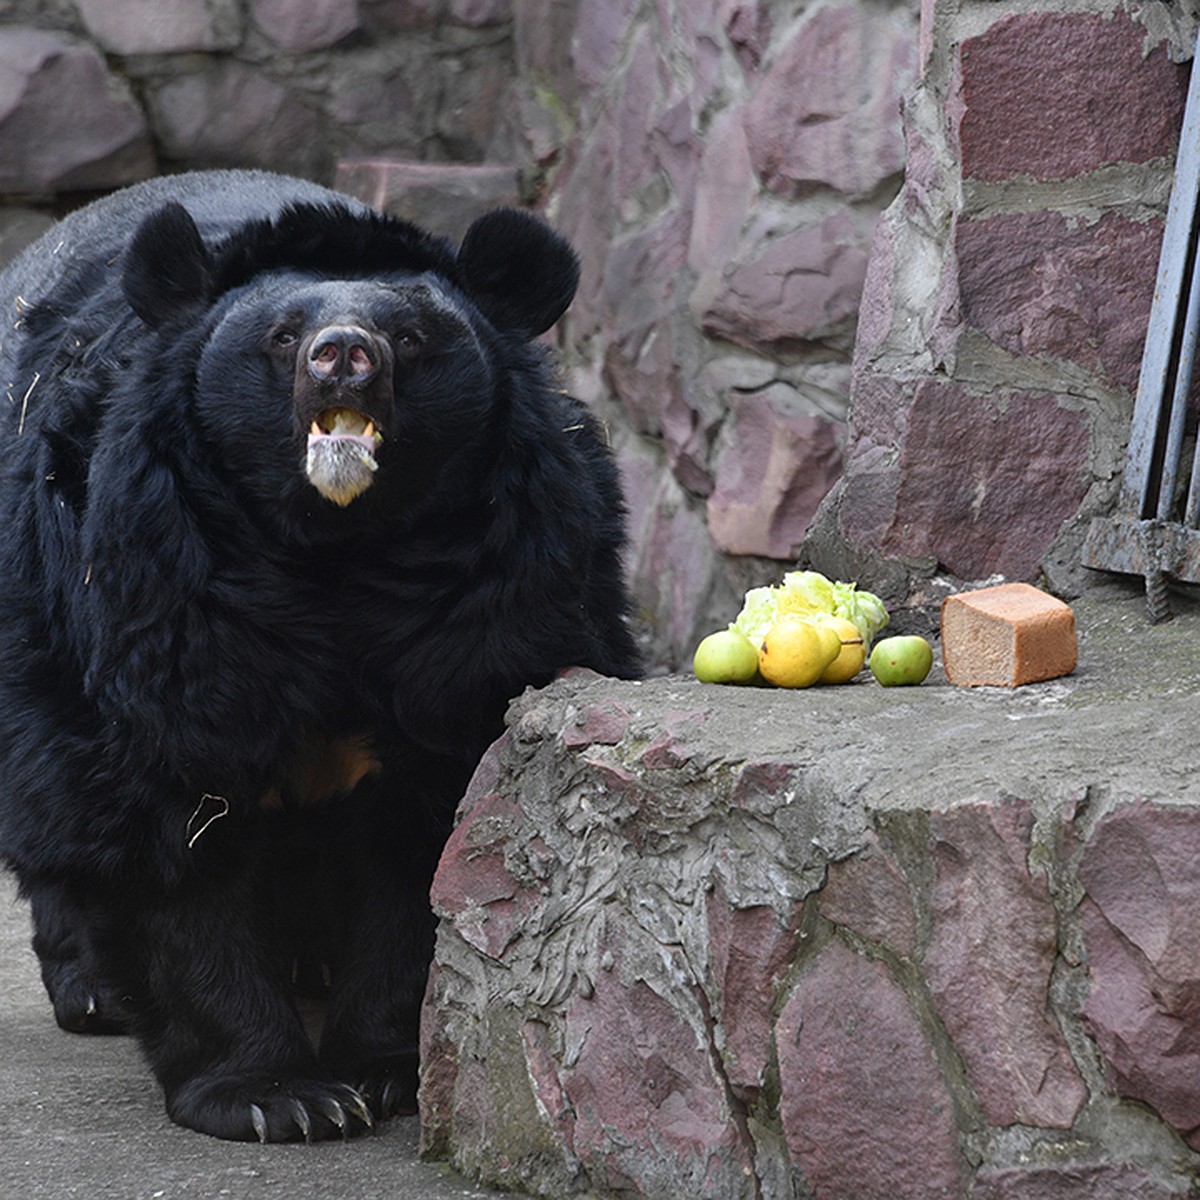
point(1155, 531)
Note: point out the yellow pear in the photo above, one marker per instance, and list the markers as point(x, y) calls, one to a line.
point(795, 652)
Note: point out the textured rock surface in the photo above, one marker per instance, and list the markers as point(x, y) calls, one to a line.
point(442, 197)
point(161, 26)
point(721, 184)
point(1008, 295)
point(66, 122)
point(1143, 938)
point(845, 942)
point(988, 963)
point(855, 1065)
point(774, 468)
point(1109, 101)
point(958, 489)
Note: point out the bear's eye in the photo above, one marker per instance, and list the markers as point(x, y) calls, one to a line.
point(407, 343)
point(283, 338)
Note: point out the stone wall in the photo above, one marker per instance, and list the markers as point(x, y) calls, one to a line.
point(720, 166)
point(725, 167)
point(1008, 294)
point(941, 393)
point(842, 944)
point(99, 93)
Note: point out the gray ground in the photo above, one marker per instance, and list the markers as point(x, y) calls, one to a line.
point(82, 1117)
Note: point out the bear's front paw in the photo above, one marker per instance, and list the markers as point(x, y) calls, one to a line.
point(247, 1109)
point(390, 1085)
point(83, 1006)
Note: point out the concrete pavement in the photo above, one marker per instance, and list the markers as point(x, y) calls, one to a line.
point(82, 1117)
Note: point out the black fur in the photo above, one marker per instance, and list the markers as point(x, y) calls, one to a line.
point(235, 717)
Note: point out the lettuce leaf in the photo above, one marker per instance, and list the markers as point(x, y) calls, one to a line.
point(809, 593)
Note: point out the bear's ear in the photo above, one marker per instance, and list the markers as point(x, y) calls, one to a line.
point(167, 266)
point(518, 270)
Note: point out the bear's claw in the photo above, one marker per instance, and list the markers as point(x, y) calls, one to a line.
point(278, 1112)
point(258, 1119)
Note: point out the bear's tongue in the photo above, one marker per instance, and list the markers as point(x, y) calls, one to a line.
point(344, 425)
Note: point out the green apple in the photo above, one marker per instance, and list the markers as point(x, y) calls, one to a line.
point(901, 660)
point(726, 656)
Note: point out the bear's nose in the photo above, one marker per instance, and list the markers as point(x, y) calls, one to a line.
point(343, 354)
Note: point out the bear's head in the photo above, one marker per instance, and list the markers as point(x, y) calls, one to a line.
point(344, 343)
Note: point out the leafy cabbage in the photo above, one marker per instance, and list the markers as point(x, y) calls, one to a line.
point(809, 593)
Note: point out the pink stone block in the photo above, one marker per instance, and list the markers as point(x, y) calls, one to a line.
point(826, 112)
point(802, 286)
point(992, 947)
point(650, 1113)
point(876, 306)
point(234, 113)
point(66, 123)
point(1042, 286)
point(473, 883)
point(865, 1109)
point(158, 26)
point(1083, 1181)
point(546, 1078)
point(604, 724)
point(675, 745)
point(443, 197)
point(671, 562)
point(748, 26)
point(751, 952)
point(1143, 946)
point(759, 784)
point(967, 470)
point(302, 28)
point(774, 471)
point(477, 13)
point(725, 189)
point(1052, 95)
point(869, 894)
point(600, 32)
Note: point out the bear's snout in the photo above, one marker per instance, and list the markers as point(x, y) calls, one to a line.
point(344, 354)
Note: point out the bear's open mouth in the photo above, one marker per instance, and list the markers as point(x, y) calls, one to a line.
point(347, 423)
point(341, 453)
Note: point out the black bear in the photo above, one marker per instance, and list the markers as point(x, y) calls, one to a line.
point(293, 506)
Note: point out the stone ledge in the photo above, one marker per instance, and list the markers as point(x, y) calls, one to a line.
point(856, 941)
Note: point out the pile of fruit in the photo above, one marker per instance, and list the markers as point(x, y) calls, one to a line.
point(807, 630)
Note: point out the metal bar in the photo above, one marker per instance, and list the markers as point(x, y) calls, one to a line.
point(1186, 358)
point(1191, 517)
point(1146, 436)
point(1143, 537)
